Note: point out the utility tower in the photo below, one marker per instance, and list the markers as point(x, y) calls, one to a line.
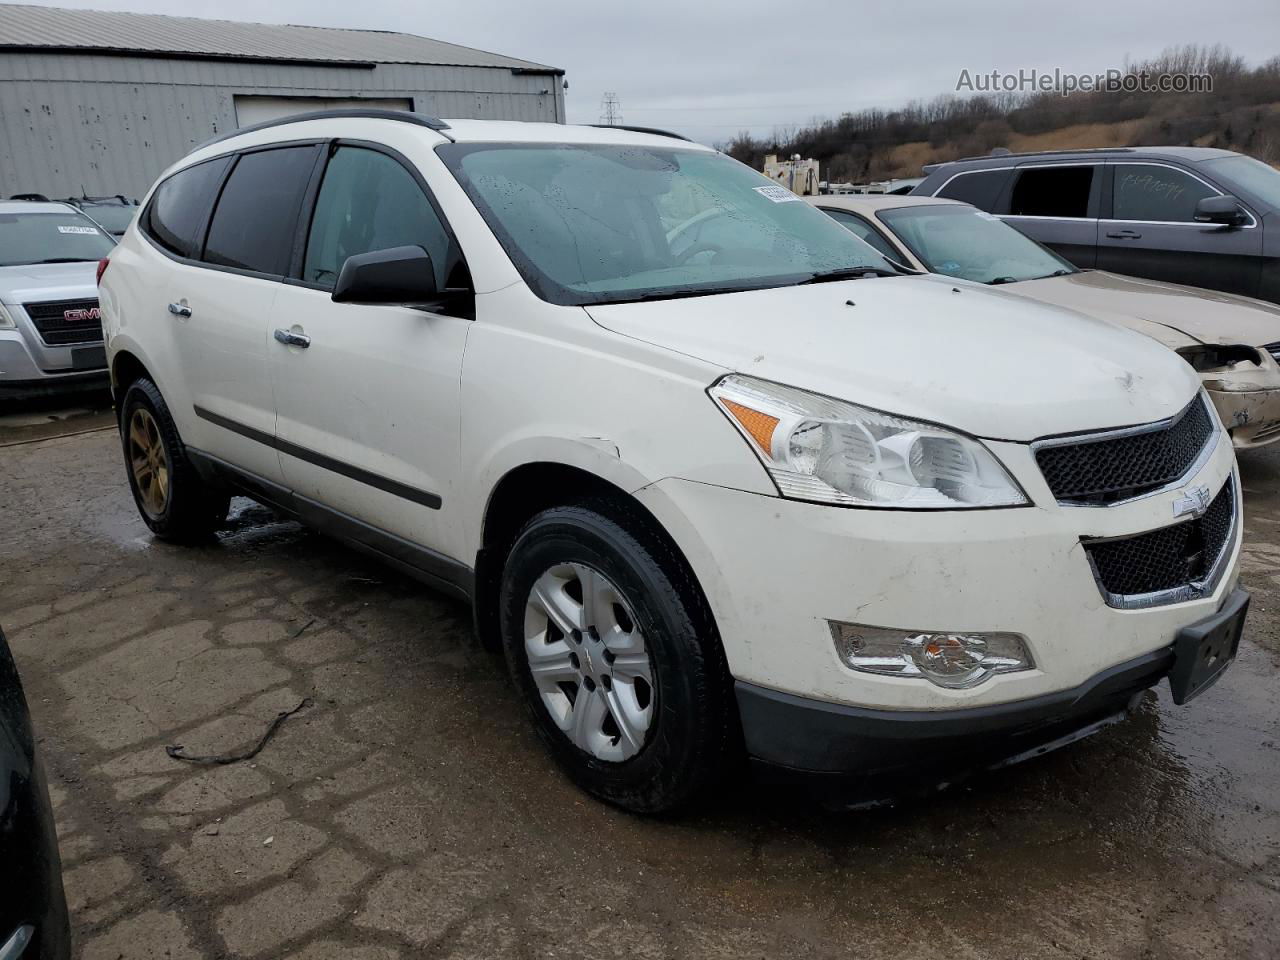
point(610, 109)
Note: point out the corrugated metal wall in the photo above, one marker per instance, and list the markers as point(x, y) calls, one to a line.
point(110, 124)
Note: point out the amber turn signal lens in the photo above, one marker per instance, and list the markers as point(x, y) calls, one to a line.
point(759, 425)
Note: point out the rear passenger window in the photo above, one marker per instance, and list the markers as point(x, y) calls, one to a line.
point(179, 210)
point(863, 231)
point(982, 188)
point(368, 202)
point(1148, 191)
point(257, 215)
point(1052, 192)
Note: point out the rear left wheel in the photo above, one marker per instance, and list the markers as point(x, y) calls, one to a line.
point(173, 499)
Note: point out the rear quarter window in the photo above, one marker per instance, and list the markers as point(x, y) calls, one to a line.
point(179, 209)
point(981, 188)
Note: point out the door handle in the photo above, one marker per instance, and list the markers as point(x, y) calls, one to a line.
point(180, 310)
point(1125, 235)
point(293, 339)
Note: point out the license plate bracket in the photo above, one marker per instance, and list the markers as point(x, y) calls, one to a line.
point(1203, 651)
point(88, 358)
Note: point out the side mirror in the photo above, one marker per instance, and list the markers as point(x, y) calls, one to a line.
point(394, 275)
point(1224, 210)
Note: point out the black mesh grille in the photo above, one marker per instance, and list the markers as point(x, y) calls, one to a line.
point(1167, 558)
point(61, 322)
point(1103, 471)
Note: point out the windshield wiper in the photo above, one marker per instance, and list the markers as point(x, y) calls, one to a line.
point(677, 293)
point(999, 280)
point(850, 273)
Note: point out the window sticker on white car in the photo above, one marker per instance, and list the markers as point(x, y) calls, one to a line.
point(777, 194)
point(87, 231)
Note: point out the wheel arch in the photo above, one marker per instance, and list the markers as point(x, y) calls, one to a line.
point(520, 494)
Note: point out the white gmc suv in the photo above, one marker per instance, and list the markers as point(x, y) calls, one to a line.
point(720, 480)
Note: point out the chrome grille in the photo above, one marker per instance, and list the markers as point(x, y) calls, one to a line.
point(60, 322)
point(1117, 465)
point(1167, 565)
point(1274, 350)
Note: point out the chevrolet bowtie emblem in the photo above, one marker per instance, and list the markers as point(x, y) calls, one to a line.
point(1193, 502)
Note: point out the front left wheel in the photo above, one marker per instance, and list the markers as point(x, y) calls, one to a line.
point(174, 500)
point(616, 657)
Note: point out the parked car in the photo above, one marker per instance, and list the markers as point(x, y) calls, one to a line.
point(709, 468)
point(33, 908)
point(113, 214)
point(50, 330)
point(1210, 218)
point(1233, 342)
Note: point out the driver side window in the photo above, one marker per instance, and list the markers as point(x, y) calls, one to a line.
point(368, 202)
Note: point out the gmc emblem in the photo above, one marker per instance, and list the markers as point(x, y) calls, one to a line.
point(81, 314)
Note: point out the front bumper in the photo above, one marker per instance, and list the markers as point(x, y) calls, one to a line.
point(1251, 416)
point(776, 571)
point(853, 755)
point(24, 373)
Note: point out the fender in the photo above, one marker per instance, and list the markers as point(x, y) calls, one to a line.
point(598, 456)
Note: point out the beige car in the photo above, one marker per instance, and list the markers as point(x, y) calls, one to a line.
point(1233, 342)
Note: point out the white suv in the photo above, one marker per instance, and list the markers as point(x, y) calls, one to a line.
point(721, 481)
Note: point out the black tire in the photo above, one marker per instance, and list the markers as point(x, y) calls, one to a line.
point(192, 509)
point(693, 739)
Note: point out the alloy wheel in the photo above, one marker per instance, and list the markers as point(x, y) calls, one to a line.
point(149, 462)
point(589, 661)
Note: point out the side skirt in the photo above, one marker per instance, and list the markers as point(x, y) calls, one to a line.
point(432, 568)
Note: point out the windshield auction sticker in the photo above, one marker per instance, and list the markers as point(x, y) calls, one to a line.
point(87, 231)
point(776, 194)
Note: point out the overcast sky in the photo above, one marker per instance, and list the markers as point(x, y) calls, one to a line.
point(710, 69)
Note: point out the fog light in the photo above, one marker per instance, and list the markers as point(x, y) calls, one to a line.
point(946, 659)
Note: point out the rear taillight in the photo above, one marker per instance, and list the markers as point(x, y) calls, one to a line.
point(102, 268)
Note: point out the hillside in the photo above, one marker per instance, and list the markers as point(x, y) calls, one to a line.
point(1241, 113)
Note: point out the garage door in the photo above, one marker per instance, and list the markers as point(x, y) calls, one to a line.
point(251, 110)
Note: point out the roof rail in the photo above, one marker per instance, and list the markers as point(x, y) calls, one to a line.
point(630, 129)
point(929, 168)
point(404, 116)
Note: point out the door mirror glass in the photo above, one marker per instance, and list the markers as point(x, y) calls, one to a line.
point(1224, 210)
point(395, 275)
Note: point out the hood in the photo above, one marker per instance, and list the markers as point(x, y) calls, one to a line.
point(1175, 315)
point(960, 354)
point(49, 281)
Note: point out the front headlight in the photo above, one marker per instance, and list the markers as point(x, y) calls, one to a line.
point(825, 450)
point(6, 321)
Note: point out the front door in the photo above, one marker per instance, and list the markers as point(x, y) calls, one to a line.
point(367, 396)
point(1152, 232)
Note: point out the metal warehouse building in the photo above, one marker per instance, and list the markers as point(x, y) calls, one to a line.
point(100, 103)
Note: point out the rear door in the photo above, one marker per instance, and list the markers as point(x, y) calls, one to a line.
point(225, 305)
point(1057, 204)
point(1149, 230)
point(368, 409)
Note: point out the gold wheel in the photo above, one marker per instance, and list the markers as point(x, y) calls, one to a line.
point(149, 462)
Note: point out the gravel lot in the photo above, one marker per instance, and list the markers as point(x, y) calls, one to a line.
point(410, 811)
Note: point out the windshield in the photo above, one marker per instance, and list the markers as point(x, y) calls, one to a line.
point(62, 237)
point(960, 241)
point(1258, 179)
point(606, 224)
point(116, 217)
